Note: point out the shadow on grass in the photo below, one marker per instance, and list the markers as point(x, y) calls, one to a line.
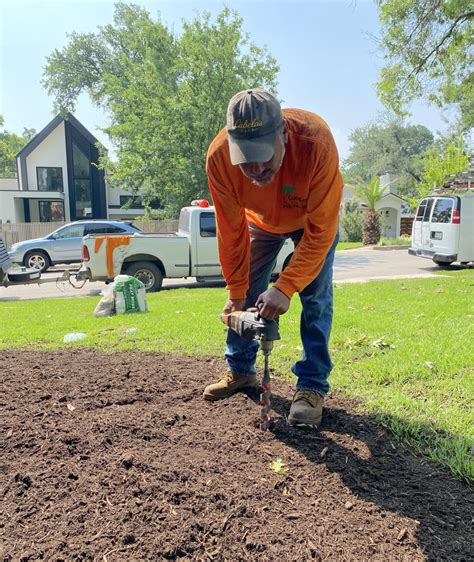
point(389, 474)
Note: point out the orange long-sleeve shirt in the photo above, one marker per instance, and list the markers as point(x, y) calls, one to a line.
point(305, 193)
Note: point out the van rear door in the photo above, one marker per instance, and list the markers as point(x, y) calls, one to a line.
point(425, 225)
point(444, 232)
point(416, 230)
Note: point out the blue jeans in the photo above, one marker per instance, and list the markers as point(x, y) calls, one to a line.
point(313, 369)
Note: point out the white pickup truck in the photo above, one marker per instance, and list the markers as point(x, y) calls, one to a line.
point(191, 252)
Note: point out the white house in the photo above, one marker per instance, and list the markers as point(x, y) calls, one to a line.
point(391, 206)
point(58, 179)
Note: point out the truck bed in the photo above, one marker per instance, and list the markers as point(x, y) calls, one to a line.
point(108, 252)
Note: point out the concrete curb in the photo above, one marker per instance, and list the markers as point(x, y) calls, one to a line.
point(384, 248)
point(389, 278)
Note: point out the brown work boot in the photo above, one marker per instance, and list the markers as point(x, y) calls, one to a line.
point(229, 384)
point(306, 408)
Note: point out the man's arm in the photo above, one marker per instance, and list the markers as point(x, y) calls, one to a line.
point(233, 240)
point(321, 225)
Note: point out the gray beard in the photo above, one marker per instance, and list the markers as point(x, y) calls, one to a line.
point(263, 183)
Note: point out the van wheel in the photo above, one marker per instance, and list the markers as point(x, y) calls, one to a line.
point(37, 259)
point(443, 263)
point(148, 273)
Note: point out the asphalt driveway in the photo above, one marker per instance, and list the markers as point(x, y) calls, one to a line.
point(350, 266)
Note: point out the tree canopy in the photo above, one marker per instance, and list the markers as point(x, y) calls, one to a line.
point(166, 96)
point(428, 48)
point(10, 145)
point(439, 162)
point(394, 148)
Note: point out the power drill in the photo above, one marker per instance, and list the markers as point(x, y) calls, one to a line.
point(249, 325)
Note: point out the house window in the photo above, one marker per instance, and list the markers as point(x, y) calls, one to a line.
point(51, 211)
point(49, 179)
point(83, 196)
point(81, 183)
point(80, 161)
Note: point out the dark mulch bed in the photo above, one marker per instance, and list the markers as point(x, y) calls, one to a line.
point(117, 457)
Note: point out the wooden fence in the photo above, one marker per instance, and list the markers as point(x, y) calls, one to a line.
point(11, 233)
point(405, 225)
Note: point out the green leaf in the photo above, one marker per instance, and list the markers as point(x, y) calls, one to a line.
point(279, 466)
point(428, 52)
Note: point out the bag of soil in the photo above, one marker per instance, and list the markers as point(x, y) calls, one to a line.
point(130, 295)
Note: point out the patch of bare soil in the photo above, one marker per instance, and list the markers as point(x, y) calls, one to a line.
point(117, 457)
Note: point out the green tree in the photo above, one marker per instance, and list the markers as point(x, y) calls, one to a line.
point(10, 145)
point(393, 148)
point(443, 159)
point(166, 96)
point(371, 193)
point(428, 48)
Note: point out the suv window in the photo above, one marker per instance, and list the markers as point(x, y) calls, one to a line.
point(443, 210)
point(207, 225)
point(75, 231)
point(115, 229)
point(104, 229)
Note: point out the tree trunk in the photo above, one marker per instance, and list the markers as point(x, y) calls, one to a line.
point(372, 228)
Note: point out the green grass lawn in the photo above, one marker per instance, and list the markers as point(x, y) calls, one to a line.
point(403, 347)
point(348, 245)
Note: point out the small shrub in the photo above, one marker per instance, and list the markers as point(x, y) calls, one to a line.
point(402, 241)
point(352, 222)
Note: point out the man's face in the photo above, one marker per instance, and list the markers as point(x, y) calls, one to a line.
point(262, 173)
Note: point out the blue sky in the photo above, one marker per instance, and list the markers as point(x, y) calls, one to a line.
point(328, 56)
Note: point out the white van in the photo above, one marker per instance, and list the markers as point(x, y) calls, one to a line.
point(443, 229)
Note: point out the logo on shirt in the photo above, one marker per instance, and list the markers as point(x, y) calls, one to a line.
point(291, 199)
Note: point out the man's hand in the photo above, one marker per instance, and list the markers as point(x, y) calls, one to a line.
point(272, 303)
point(233, 306)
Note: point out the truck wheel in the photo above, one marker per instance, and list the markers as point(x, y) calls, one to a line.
point(443, 263)
point(37, 259)
point(148, 273)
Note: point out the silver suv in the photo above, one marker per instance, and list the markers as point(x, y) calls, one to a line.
point(64, 245)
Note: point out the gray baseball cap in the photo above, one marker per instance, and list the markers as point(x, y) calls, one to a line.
point(253, 119)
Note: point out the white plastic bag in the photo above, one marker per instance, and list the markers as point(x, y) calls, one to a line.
point(106, 305)
point(74, 336)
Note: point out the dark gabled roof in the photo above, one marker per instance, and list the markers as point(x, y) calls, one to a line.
point(44, 133)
